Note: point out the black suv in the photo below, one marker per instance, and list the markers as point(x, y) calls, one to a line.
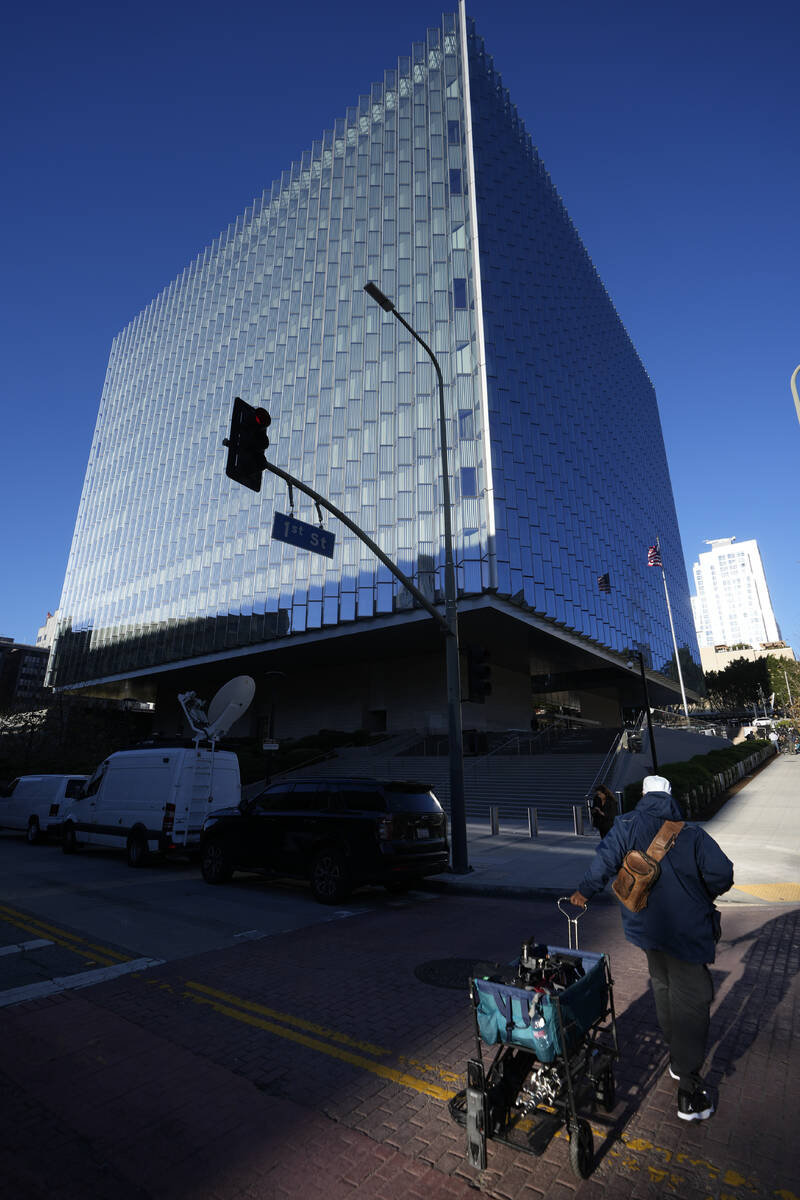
point(338, 833)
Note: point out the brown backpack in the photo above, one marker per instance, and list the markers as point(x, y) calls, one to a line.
point(641, 868)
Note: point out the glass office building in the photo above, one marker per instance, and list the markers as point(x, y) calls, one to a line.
point(431, 186)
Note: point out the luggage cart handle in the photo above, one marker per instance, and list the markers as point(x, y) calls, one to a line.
point(572, 920)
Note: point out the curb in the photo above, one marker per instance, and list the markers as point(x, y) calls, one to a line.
point(499, 891)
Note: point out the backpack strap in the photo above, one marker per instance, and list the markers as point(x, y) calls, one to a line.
point(664, 839)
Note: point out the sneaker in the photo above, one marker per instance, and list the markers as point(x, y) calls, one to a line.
point(672, 1073)
point(695, 1106)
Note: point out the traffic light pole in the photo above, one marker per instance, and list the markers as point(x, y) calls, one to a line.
point(365, 538)
point(458, 826)
point(455, 741)
point(458, 812)
point(646, 696)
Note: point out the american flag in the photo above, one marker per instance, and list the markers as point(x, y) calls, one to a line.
point(604, 583)
point(654, 557)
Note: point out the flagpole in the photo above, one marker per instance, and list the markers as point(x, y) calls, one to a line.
point(672, 630)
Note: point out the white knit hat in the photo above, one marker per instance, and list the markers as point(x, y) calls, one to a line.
point(656, 783)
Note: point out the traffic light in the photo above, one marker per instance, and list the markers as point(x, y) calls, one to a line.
point(479, 675)
point(246, 444)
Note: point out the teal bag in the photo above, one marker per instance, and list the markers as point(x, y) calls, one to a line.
point(522, 1017)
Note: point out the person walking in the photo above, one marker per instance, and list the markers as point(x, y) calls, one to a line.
point(678, 929)
point(603, 809)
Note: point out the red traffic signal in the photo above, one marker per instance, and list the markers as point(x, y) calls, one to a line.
point(246, 444)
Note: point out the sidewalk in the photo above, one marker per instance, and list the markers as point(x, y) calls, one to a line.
point(758, 828)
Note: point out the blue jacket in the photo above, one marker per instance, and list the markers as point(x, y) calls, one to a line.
point(679, 914)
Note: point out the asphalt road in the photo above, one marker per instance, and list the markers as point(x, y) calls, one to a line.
point(64, 916)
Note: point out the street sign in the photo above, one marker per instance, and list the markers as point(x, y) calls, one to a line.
point(300, 533)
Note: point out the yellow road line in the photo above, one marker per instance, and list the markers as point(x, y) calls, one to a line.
point(70, 941)
point(333, 1051)
point(628, 1150)
point(748, 1186)
point(323, 1031)
point(290, 1019)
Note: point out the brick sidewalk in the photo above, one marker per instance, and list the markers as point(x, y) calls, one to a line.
point(318, 1062)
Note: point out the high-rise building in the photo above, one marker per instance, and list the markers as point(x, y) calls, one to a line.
point(732, 605)
point(22, 674)
point(431, 186)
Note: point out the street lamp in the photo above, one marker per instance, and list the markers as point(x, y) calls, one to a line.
point(646, 696)
point(458, 818)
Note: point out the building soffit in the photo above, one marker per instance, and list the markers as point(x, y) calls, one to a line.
point(597, 665)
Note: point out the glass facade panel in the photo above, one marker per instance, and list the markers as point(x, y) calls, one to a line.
point(581, 482)
point(171, 560)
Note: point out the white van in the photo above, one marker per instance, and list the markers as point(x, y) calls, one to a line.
point(36, 803)
point(151, 800)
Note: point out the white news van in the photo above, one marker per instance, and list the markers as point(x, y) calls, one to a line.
point(36, 803)
point(151, 800)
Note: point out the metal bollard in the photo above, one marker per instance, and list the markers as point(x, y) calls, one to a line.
point(577, 819)
point(494, 819)
point(533, 822)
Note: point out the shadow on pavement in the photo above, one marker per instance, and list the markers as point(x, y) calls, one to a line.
point(770, 964)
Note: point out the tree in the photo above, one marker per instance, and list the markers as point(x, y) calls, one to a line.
point(784, 681)
point(738, 685)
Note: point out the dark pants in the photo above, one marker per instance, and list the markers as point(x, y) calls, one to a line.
point(683, 993)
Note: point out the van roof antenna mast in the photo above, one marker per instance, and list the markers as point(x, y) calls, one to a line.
point(195, 713)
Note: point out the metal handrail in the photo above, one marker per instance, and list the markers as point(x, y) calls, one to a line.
point(668, 719)
point(545, 737)
point(436, 745)
point(605, 766)
point(611, 756)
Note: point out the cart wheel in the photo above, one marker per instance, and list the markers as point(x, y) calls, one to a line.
point(581, 1149)
point(605, 1090)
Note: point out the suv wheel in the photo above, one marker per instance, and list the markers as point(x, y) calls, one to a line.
point(33, 833)
point(136, 849)
point(215, 862)
point(330, 880)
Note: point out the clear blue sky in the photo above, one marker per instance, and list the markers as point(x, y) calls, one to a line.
point(133, 135)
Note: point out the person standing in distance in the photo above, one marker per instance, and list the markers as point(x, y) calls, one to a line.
point(677, 930)
point(603, 809)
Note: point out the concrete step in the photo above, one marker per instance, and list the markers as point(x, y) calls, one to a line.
point(549, 783)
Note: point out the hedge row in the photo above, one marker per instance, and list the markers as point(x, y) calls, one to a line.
point(698, 782)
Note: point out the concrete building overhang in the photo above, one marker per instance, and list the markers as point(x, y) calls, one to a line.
point(558, 658)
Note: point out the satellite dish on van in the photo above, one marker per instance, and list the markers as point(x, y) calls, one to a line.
point(231, 701)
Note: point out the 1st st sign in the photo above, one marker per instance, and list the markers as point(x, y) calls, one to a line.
point(300, 533)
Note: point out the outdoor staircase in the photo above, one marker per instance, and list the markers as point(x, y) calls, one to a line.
point(550, 782)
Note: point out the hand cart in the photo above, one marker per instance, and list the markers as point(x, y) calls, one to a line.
point(552, 1012)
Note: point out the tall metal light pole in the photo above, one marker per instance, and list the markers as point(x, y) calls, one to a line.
point(788, 689)
point(793, 385)
point(458, 818)
point(646, 697)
